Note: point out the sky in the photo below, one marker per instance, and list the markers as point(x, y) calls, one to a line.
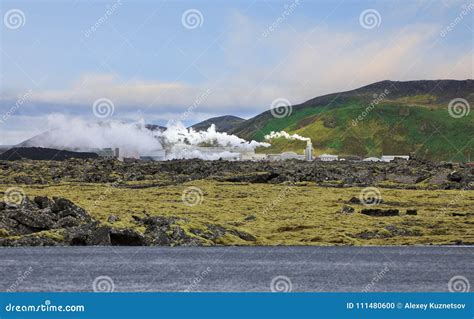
point(161, 61)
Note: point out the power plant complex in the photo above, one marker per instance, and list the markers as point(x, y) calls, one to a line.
point(232, 153)
point(180, 143)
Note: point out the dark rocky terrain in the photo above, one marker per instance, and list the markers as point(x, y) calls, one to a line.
point(141, 203)
point(412, 174)
point(59, 222)
point(43, 154)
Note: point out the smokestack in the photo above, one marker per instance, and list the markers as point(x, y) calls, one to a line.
point(308, 152)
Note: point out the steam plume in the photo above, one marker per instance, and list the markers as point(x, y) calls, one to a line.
point(285, 135)
point(134, 139)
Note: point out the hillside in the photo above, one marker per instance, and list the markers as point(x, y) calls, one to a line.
point(224, 123)
point(386, 117)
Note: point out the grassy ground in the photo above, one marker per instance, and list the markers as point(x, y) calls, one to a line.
point(302, 214)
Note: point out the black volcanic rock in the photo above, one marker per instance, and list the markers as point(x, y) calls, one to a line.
point(377, 212)
point(41, 214)
point(126, 237)
point(43, 154)
point(454, 176)
point(56, 222)
point(403, 174)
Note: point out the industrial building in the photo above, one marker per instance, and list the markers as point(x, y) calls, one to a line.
point(328, 157)
point(106, 152)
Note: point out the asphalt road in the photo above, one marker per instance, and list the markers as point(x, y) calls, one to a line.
point(236, 268)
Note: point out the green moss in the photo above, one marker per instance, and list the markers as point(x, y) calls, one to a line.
point(304, 214)
point(56, 235)
point(4, 232)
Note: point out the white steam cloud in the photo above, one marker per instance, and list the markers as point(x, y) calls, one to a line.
point(180, 141)
point(284, 134)
point(134, 139)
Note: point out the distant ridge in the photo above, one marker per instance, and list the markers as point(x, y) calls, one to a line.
point(224, 123)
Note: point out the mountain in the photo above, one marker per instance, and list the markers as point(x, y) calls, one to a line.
point(224, 123)
point(387, 117)
point(38, 140)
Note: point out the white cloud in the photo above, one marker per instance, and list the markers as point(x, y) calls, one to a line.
point(293, 63)
point(306, 64)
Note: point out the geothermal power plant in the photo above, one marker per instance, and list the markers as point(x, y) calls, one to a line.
point(216, 152)
point(131, 141)
point(212, 153)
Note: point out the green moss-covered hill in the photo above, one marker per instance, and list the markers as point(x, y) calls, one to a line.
point(391, 118)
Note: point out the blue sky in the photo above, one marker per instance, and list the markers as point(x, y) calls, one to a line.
point(150, 63)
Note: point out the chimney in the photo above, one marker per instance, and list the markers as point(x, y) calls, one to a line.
point(308, 152)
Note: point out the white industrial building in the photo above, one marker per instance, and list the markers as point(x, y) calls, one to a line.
point(328, 157)
point(284, 156)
